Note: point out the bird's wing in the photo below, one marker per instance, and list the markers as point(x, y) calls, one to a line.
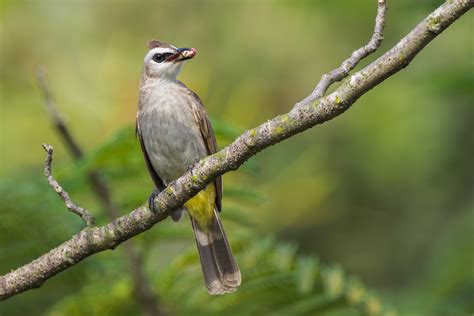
point(209, 138)
point(156, 179)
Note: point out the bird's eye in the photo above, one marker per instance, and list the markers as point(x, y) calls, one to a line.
point(159, 57)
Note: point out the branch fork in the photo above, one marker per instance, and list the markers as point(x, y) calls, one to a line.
point(350, 63)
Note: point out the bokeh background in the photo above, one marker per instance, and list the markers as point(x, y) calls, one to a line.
point(371, 213)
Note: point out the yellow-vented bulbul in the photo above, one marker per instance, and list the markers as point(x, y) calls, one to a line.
point(174, 133)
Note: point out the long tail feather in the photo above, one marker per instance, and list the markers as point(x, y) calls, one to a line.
point(220, 270)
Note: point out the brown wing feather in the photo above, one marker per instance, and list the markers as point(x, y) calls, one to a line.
point(209, 138)
point(156, 179)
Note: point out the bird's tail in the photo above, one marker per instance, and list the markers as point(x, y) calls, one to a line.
point(220, 270)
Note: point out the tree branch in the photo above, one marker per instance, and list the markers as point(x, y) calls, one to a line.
point(95, 239)
point(71, 206)
point(147, 299)
point(350, 63)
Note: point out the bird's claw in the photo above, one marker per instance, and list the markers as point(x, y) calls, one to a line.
point(192, 165)
point(151, 200)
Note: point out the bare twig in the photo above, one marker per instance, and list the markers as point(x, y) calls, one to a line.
point(71, 206)
point(96, 239)
point(144, 294)
point(350, 63)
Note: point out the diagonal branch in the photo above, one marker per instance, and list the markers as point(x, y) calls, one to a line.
point(96, 239)
point(71, 206)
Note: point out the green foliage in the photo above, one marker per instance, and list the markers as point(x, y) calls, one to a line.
point(276, 281)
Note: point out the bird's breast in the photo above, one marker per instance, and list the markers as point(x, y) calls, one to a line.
point(171, 135)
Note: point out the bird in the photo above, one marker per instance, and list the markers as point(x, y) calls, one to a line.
point(174, 133)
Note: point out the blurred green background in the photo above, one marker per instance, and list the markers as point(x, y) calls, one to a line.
point(371, 213)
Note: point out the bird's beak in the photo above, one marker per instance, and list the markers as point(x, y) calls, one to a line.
point(182, 54)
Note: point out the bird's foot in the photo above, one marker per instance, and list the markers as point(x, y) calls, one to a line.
point(151, 200)
point(192, 165)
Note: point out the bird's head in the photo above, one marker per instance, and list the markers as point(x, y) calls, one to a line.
point(164, 60)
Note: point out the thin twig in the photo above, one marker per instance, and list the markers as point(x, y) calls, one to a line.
point(350, 63)
point(71, 206)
